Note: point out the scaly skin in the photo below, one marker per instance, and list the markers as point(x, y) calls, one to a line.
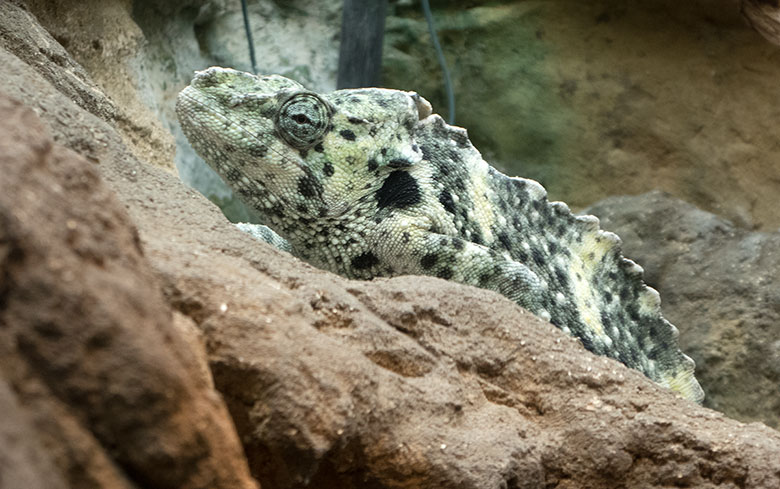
point(369, 183)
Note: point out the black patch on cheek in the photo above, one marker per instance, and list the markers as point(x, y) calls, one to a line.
point(355, 120)
point(426, 152)
point(319, 148)
point(258, 150)
point(327, 169)
point(372, 164)
point(308, 186)
point(301, 208)
point(347, 134)
point(399, 190)
point(364, 261)
point(303, 152)
point(445, 199)
point(458, 243)
point(428, 261)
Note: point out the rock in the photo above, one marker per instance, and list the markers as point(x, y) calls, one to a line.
point(103, 391)
point(764, 17)
point(720, 285)
point(408, 382)
point(604, 98)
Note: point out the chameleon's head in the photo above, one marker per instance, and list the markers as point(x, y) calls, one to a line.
point(291, 153)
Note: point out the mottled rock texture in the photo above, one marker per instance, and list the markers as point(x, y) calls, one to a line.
point(410, 382)
point(721, 286)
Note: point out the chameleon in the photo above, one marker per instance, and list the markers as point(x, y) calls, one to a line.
point(371, 183)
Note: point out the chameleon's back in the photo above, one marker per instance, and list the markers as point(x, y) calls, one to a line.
point(588, 288)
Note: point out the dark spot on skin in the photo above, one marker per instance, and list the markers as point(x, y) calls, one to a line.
point(277, 210)
point(633, 312)
point(405, 237)
point(563, 279)
point(258, 150)
point(428, 261)
point(624, 294)
point(485, 279)
point(445, 273)
point(355, 120)
point(399, 190)
point(233, 175)
point(461, 139)
point(553, 248)
point(587, 343)
point(303, 152)
point(607, 297)
point(538, 257)
point(445, 199)
point(399, 163)
point(365, 261)
point(301, 208)
point(229, 148)
point(426, 152)
point(458, 244)
point(443, 241)
point(383, 151)
point(372, 164)
point(308, 186)
point(347, 134)
point(504, 240)
point(522, 256)
point(327, 169)
point(319, 148)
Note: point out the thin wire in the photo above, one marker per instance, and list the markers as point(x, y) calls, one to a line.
point(248, 31)
point(442, 62)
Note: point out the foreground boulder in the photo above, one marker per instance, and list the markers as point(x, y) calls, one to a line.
point(99, 387)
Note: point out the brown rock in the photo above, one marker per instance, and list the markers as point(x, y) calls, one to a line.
point(721, 286)
point(86, 341)
point(764, 17)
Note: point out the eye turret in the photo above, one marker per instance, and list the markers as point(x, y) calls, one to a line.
point(303, 119)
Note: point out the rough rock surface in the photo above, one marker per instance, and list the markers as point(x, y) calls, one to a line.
point(721, 286)
point(409, 382)
point(100, 389)
point(607, 98)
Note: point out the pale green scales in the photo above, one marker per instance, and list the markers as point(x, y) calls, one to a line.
point(370, 183)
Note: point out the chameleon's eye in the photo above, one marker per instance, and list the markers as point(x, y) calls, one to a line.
point(302, 120)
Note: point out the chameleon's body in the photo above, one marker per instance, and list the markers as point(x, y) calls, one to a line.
point(369, 183)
